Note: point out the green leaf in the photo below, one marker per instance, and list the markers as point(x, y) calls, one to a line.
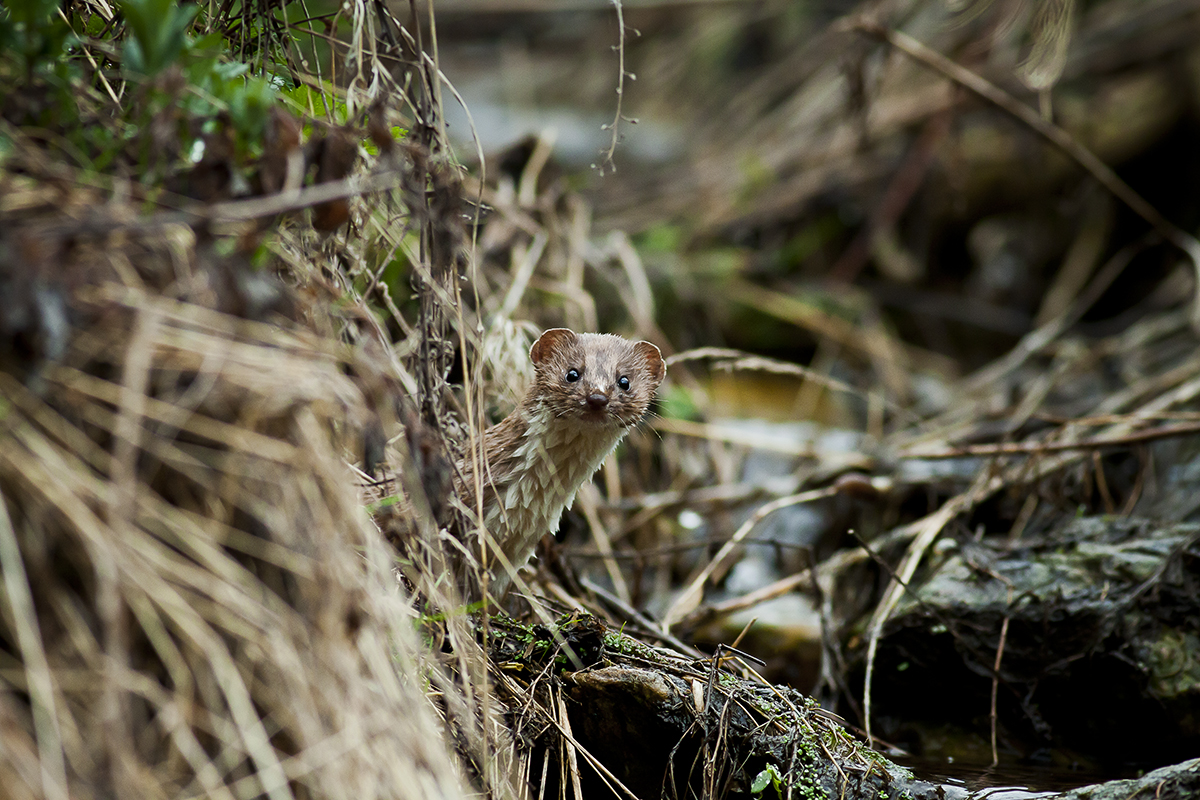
point(761, 781)
point(768, 777)
point(677, 403)
point(32, 14)
point(662, 238)
point(33, 31)
point(157, 31)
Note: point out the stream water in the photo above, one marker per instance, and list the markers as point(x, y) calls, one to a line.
point(1011, 781)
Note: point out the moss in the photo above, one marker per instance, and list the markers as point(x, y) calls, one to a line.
point(620, 643)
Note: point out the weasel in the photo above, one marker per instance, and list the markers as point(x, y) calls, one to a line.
point(589, 390)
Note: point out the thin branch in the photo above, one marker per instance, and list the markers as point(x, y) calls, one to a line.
point(690, 597)
point(607, 162)
point(1037, 448)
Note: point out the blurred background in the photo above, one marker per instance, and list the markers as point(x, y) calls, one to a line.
point(773, 178)
point(776, 151)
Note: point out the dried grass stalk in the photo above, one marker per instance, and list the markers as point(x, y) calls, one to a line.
point(194, 602)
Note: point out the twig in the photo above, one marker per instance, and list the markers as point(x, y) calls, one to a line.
point(1038, 448)
point(607, 162)
point(605, 773)
point(229, 211)
point(690, 597)
point(569, 741)
point(588, 503)
point(926, 530)
point(640, 619)
point(904, 185)
point(741, 360)
point(642, 553)
point(748, 600)
point(39, 678)
point(996, 678)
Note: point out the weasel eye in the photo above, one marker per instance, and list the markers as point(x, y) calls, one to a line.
point(623, 382)
point(572, 375)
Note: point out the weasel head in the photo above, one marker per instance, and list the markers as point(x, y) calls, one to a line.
point(595, 378)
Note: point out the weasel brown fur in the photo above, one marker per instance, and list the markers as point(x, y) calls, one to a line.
point(589, 390)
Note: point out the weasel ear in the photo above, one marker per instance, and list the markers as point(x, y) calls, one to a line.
point(653, 359)
point(549, 342)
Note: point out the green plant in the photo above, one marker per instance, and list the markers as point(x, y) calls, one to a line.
point(217, 86)
point(33, 31)
point(157, 34)
point(768, 777)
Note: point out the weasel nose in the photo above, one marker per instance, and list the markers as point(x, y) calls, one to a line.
point(597, 401)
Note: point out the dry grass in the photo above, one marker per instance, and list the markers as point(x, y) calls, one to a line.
point(195, 601)
point(215, 615)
